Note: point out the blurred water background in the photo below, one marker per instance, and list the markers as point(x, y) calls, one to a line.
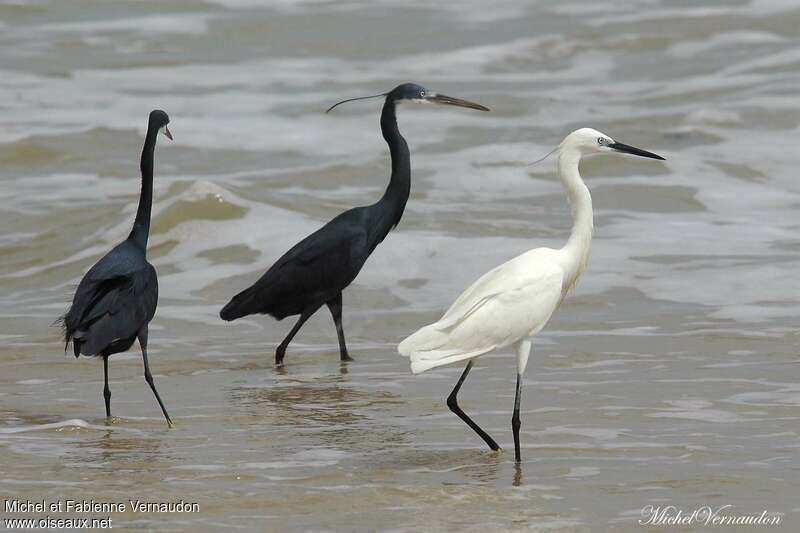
point(669, 376)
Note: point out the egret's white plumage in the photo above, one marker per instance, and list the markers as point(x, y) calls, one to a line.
point(513, 302)
point(508, 303)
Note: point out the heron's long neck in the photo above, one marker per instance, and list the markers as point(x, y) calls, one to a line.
point(391, 206)
point(576, 250)
point(141, 226)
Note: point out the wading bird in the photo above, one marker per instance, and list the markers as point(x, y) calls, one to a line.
point(117, 298)
point(316, 270)
point(513, 302)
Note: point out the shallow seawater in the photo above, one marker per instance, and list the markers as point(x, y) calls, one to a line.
point(668, 377)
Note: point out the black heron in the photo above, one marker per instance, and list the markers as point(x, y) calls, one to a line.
point(315, 271)
point(117, 298)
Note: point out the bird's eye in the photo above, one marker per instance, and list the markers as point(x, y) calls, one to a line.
point(601, 141)
point(422, 94)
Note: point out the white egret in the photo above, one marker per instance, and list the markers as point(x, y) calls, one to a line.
point(513, 302)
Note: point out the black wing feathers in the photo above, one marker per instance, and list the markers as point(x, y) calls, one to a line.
point(114, 301)
point(312, 272)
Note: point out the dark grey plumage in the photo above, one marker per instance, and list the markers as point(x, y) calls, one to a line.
point(113, 302)
point(315, 271)
point(116, 299)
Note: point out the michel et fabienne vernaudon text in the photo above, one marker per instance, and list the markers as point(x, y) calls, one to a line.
point(40, 507)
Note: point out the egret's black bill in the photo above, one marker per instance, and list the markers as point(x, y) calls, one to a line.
point(449, 100)
point(167, 133)
point(619, 147)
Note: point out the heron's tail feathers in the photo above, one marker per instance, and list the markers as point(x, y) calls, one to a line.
point(427, 338)
point(78, 339)
point(239, 306)
point(429, 348)
point(422, 361)
point(70, 334)
point(76, 347)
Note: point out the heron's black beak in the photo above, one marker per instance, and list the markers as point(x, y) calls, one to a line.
point(167, 133)
point(449, 100)
point(619, 147)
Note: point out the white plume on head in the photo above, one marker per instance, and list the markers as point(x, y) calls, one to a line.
point(548, 154)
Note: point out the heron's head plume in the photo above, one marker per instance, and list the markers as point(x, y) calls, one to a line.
point(417, 94)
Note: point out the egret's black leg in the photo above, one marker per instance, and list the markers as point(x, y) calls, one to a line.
point(335, 307)
point(148, 377)
point(106, 390)
point(280, 352)
point(452, 403)
point(515, 422)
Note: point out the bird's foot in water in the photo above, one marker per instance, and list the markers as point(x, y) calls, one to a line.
point(345, 357)
point(112, 420)
point(170, 423)
point(280, 352)
point(517, 482)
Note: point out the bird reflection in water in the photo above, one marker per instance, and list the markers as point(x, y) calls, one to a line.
point(121, 451)
point(329, 410)
point(517, 475)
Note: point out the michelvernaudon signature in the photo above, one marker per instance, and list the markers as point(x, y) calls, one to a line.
point(670, 515)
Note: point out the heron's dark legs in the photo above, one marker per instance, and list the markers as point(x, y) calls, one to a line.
point(515, 423)
point(335, 307)
point(148, 377)
point(452, 403)
point(280, 352)
point(523, 353)
point(106, 390)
